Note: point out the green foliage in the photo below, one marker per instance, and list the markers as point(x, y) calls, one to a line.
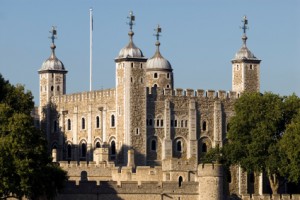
point(25, 165)
point(260, 135)
point(289, 146)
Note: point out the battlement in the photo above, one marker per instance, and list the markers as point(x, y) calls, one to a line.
point(141, 173)
point(84, 96)
point(205, 94)
point(210, 170)
point(131, 187)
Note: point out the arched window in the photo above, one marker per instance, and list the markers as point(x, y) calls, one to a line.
point(155, 85)
point(204, 126)
point(180, 179)
point(157, 122)
point(204, 148)
point(83, 150)
point(155, 75)
point(98, 145)
point(181, 123)
point(82, 123)
point(69, 125)
point(97, 122)
point(51, 88)
point(168, 75)
point(175, 123)
point(131, 65)
point(153, 145)
point(186, 123)
point(168, 86)
point(112, 121)
point(57, 88)
point(69, 151)
point(179, 146)
point(161, 122)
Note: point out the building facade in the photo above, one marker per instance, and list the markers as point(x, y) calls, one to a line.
point(144, 129)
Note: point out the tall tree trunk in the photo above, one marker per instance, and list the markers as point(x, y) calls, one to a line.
point(274, 183)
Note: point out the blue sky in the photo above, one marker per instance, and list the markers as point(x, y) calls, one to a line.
point(199, 38)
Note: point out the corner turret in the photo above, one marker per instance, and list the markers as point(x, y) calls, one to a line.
point(159, 71)
point(245, 67)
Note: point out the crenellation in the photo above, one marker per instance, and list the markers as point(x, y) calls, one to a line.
point(179, 92)
point(190, 92)
point(210, 94)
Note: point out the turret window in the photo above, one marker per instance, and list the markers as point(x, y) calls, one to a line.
point(97, 122)
point(251, 67)
point(82, 123)
point(204, 126)
point(168, 86)
point(131, 65)
point(112, 121)
point(69, 125)
point(155, 75)
point(168, 75)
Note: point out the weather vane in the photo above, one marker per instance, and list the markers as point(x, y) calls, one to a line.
point(53, 34)
point(131, 18)
point(157, 30)
point(245, 24)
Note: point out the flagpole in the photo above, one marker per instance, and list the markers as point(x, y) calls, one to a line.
point(91, 46)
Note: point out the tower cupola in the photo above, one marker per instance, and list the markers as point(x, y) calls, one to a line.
point(158, 69)
point(130, 51)
point(245, 67)
point(52, 63)
point(52, 75)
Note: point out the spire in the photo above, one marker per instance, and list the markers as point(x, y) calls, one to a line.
point(157, 35)
point(244, 27)
point(131, 18)
point(53, 37)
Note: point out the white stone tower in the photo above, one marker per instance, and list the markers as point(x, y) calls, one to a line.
point(245, 67)
point(159, 71)
point(131, 100)
point(52, 83)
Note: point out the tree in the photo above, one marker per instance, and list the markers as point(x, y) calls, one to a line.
point(289, 146)
point(26, 168)
point(255, 133)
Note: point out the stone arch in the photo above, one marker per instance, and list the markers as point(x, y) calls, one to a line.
point(154, 155)
point(179, 147)
point(112, 148)
point(204, 144)
point(83, 149)
point(180, 180)
point(97, 143)
point(69, 150)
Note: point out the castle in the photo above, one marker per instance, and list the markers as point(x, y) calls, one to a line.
point(144, 137)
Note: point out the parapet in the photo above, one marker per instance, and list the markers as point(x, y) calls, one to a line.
point(84, 96)
point(210, 170)
point(199, 93)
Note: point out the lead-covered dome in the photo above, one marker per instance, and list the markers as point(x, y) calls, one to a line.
point(244, 53)
point(52, 63)
point(130, 51)
point(158, 62)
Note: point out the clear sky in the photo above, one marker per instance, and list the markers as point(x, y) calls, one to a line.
point(199, 38)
